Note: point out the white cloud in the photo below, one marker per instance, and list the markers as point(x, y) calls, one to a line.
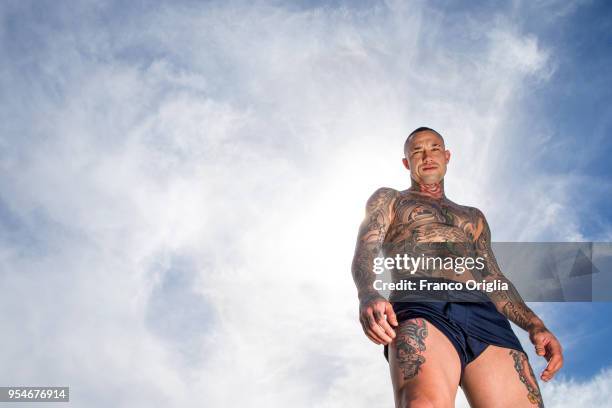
point(596, 392)
point(212, 162)
point(563, 393)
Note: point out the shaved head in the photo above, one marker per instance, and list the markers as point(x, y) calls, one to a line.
point(418, 130)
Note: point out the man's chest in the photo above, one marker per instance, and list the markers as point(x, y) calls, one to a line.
point(432, 221)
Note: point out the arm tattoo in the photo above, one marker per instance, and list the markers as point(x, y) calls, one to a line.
point(379, 214)
point(509, 303)
point(523, 368)
point(410, 347)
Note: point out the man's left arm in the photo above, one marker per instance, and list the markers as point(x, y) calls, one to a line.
point(510, 303)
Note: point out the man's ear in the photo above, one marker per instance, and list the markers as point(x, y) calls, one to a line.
point(447, 154)
point(406, 164)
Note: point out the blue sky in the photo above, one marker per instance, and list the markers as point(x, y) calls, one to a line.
point(182, 183)
point(576, 103)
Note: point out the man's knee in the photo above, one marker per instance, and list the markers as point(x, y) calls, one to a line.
point(420, 403)
point(410, 400)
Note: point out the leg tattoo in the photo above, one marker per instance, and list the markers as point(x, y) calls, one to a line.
point(410, 347)
point(527, 377)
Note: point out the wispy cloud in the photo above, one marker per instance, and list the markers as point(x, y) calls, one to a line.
point(183, 186)
point(595, 392)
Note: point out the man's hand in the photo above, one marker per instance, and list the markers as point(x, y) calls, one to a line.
point(375, 314)
point(547, 346)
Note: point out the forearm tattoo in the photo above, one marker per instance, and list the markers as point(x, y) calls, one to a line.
point(410, 345)
point(525, 373)
point(509, 303)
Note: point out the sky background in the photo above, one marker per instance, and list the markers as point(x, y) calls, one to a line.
point(182, 184)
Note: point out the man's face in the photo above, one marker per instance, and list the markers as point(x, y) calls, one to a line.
point(426, 157)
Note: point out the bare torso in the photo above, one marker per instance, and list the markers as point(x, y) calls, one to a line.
point(422, 223)
point(426, 226)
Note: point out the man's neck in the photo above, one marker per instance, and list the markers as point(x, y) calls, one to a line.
point(435, 190)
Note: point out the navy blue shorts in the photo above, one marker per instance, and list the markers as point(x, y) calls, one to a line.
point(470, 326)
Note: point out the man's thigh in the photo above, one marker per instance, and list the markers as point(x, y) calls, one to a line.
point(424, 365)
point(500, 378)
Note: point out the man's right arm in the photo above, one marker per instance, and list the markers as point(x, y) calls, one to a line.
point(372, 306)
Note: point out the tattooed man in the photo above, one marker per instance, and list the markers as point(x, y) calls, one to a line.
point(435, 346)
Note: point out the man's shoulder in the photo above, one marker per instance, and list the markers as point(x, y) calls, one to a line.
point(474, 211)
point(477, 215)
point(385, 192)
point(382, 196)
